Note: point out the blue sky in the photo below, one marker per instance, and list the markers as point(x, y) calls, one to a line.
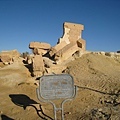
point(24, 21)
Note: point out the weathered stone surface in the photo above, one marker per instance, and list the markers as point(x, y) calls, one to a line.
point(38, 65)
point(42, 51)
point(58, 47)
point(63, 52)
point(11, 53)
point(48, 63)
point(71, 32)
point(77, 54)
point(81, 44)
point(66, 52)
point(38, 51)
point(74, 26)
point(41, 45)
point(52, 51)
point(6, 59)
point(28, 59)
point(57, 69)
point(69, 43)
point(65, 37)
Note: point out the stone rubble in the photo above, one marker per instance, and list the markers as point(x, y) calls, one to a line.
point(8, 57)
point(51, 60)
point(47, 59)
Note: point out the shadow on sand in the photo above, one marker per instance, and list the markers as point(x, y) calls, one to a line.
point(24, 101)
point(4, 117)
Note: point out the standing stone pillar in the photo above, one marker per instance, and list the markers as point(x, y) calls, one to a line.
point(38, 65)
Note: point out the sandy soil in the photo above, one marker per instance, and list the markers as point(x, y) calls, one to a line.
point(97, 78)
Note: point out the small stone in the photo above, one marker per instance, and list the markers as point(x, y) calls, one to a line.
point(100, 109)
point(69, 113)
point(116, 91)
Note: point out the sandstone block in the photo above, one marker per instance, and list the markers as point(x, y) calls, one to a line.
point(48, 62)
point(66, 52)
point(11, 53)
point(57, 69)
point(29, 60)
point(37, 73)
point(65, 36)
point(58, 47)
point(52, 51)
point(74, 26)
point(42, 51)
point(82, 44)
point(38, 65)
point(71, 32)
point(78, 54)
point(41, 45)
point(39, 51)
point(6, 59)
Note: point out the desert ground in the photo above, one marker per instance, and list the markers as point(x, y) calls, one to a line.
point(97, 78)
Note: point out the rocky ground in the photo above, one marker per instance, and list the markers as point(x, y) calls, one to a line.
point(97, 78)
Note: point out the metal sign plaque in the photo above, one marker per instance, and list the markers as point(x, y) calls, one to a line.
point(56, 86)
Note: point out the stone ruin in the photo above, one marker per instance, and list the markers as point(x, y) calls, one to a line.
point(8, 57)
point(48, 59)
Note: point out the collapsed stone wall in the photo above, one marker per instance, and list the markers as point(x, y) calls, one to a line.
point(71, 32)
point(55, 57)
point(39, 47)
point(69, 43)
point(8, 57)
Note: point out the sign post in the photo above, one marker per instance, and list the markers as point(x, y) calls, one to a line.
point(55, 87)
